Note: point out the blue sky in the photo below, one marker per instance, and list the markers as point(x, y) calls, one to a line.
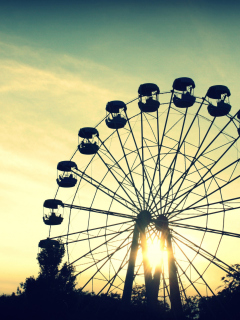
point(60, 59)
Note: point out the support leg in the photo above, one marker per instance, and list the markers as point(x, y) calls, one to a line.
point(176, 305)
point(127, 291)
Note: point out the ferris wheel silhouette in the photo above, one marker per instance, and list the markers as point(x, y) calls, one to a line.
point(152, 191)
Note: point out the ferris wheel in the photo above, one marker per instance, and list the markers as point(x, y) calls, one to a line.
point(150, 195)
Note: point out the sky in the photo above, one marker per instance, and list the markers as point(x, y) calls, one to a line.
point(61, 62)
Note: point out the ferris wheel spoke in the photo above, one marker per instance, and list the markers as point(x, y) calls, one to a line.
point(202, 154)
point(175, 160)
point(186, 134)
point(89, 230)
point(123, 178)
point(189, 191)
point(203, 229)
point(190, 281)
point(162, 197)
point(191, 263)
point(161, 182)
point(202, 181)
point(188, 180)
point(204, 253)
point(139, 156)
point(116, 164)
point(111, 281)
point(205, 214)
point(165, 288)
point(199, 195)
point(182, 290)
point(108, 257)
point(138, 194)
point(142, 161)
point(158, 165)
point(56, 192)
point(149, 176)
point(159, 191)
point(74, 197)
point(100, 186)
point(202, 208)
point(217, 148)
point(97, 247)
point(74, 154)
point(70, 213)
point(146, 177)
point(185, 174)
point(117, 275)
point(211, 193)
point(106, 212)
point(96, 261)
point(196, 157)
point(120, 183)
point(96, 237)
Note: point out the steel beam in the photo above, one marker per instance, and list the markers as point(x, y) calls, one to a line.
point(127, 291)
point(175, 299)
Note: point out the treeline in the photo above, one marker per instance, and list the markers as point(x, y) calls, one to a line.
point(53, 295)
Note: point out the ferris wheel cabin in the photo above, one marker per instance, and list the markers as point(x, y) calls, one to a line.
point(183, 97)
point(88, 144)
point(219, 93)
point(148, 97)
point(66, 179)
point(115, 119)
point(53, 212)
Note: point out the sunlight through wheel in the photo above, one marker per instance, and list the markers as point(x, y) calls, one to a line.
point(156, 195)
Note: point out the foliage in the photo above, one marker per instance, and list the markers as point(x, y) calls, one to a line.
point(231, 282)
point(53, 292)
point(52, 278)
point(191, 307)
point(224, 305)
point(49, 260)
point(53, 295)
point(138, 295)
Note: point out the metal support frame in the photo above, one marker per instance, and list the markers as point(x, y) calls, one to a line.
point(175, 298)
point(127, 291)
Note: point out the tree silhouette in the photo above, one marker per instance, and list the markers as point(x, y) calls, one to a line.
point(49, 260)
point(225, 305)
point(52, 293)
point(231, 282)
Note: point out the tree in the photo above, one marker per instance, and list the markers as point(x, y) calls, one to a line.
point(139, 295)
point(231, 282)
point(190, 308)
point(224, 305)
point(53, 292)
point(49, 260)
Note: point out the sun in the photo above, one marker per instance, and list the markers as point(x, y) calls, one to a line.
point(156, 256)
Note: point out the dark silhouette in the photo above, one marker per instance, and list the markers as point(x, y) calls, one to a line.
point(53, 295)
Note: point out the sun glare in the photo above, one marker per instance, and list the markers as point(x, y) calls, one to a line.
point(155, 254)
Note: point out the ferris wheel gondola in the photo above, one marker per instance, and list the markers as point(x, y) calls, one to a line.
point(219, 93)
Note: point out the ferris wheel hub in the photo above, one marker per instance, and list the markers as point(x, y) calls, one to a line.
point(161, 223)
point(144, 218)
